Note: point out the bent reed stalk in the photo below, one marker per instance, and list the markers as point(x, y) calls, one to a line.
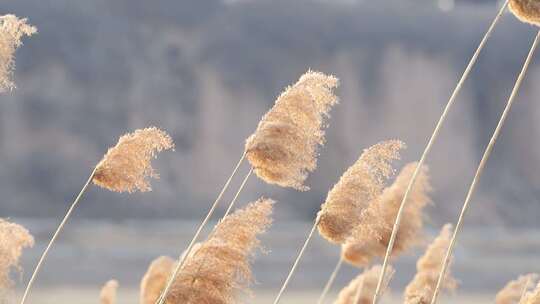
point(55, 235)
point(183, 258)
point(331, 280)
point(483, 161)
point(431, 141)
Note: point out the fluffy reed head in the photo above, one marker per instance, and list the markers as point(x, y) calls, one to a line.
point(367, 282)
point(357, 187)
point(108, 292)
point(370, 238)
point(155, 279)
point(420, 290)
point(127, 166)
point(512, 292)
point(283, 149)
point(14, 239)
point(220, 267)
point(532, 297)
point(12, 29)
point(526, 10)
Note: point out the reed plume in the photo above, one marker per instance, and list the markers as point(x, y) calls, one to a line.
point(362, 288)
point(220, 268)
point(14, 239)
point(12, 29)
point(108, 292)
point(420, 289)
point(154, 280)
point(358, 186)
point(124, 167)
point(527, 11)
point(532, 297)
point(283, 149)
point(513, 290)
point(371, 236)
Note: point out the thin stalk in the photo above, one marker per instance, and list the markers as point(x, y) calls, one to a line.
point(524, 292)
point(55, 236)
point(482, 164)
point(180, 263)
point(297, 261)
point(434, 136)
point(330, 281)
point(359, 292)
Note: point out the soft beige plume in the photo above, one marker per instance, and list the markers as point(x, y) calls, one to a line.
point(526, 10)
point(513, 290)
point(108, 292)
point(366, 282)
point(154, 280)
point(14, 239)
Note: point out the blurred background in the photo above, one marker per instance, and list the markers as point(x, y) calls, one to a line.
point(206, 71)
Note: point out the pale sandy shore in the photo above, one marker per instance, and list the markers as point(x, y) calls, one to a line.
point(130, 296)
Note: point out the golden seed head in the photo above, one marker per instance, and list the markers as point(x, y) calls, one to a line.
point(127, 166)
point(283, 149)
point(527, 11)
point(220, 268)
point(12, 29)
point(155, 279)
point(512, 292)
point(420, 290)
point(13, 239)
point(367, 282)
point(371, 236)
point(362, 183)
point(108, 292)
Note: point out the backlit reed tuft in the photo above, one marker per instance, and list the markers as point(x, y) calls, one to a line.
point(512, 292)
point(220, 268)
point(526, 10)
point(532, 297)
point(283, 149)
point(362, 288)
point(420, 289)
point(108, 292)
point(127, 166)
point(154, 280)
point(12, 29)
point(14, 239)
point(371, 237)
point(356, 189)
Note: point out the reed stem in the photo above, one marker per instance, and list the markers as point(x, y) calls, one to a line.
point(182, 260)
point(55, 236)
point(297, 261)
point(431, 141)
point(482, 164)
point(331, 280)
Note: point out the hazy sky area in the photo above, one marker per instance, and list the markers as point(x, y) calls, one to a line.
point(206, 71)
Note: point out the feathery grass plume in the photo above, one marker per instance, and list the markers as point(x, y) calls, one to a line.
point(283, 149)
point(362, 183)
point(14, 239)
point(12, 29)
point(126, 166)
point(511, 293)
point(362, 287)
point(108, 292)
point(532, 297)
point(371, 236)
point(220, 267)
point(420, 289)
point(527, 11)
point(154, 280)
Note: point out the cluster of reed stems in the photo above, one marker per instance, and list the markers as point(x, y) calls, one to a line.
point(370, 217)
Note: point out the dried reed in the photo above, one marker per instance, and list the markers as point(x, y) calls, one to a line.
point(220, 268)
point(420, 289)
point(108, 292)
point(155, 278)
point(12, 29)
point(513, 290)
point(483, 161)
point(431, 141)
point(532, 297)
point(527, 11)
point(124, 167)
point(14, 239)
point(362, 288)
